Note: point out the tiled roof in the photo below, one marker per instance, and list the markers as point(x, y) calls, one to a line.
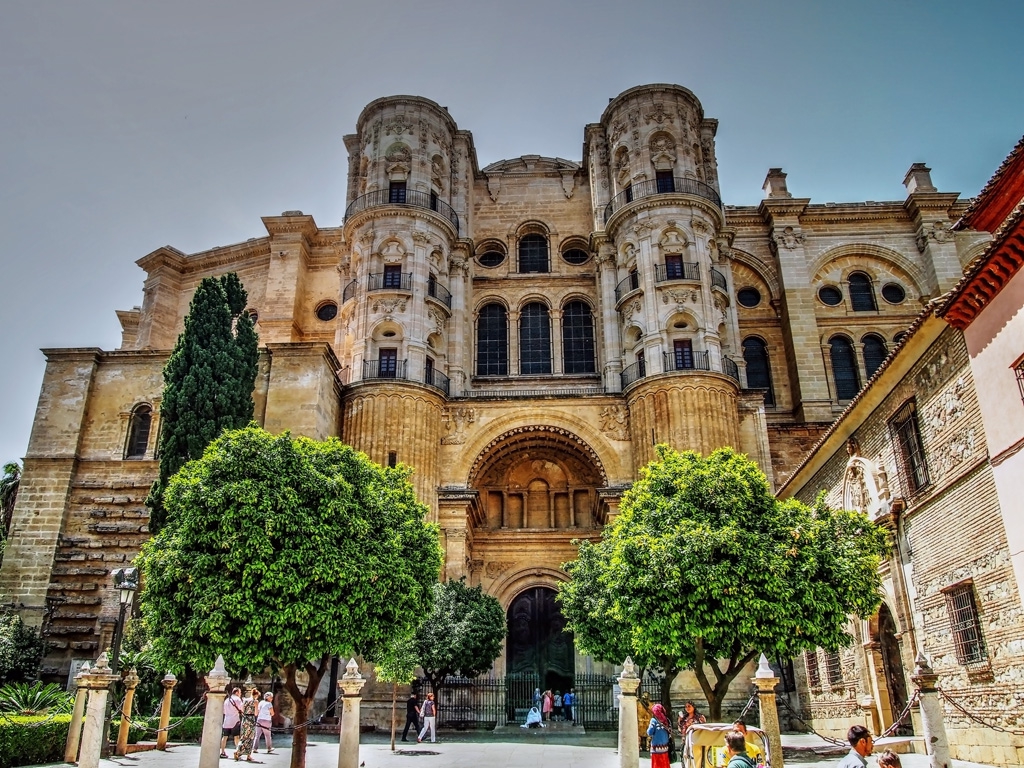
point(985, 198)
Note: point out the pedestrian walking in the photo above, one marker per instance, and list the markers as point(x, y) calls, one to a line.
point(247, 737)
point(862, 744)
point(231, 725)
point(660, 733)
point(429, 712)
point(412, 716)
point(264, 722)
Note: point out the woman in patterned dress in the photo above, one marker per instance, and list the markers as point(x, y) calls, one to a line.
point(248, 737)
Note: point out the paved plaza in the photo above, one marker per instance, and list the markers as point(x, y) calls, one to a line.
point(526, 750)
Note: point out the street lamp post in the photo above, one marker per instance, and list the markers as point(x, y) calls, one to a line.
point(126, 582)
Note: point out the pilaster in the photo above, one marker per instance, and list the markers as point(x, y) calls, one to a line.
point(929, 209)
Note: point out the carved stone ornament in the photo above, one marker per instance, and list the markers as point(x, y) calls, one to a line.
point(618, 129)
point(789, 238)
point(495, 568)
point(634, 308)
point(389, 307)
point(939, 232)
point(392, 251)
point(679, 297)
point(437, 319)
point(641, 228)
point(658, 115)
point(568, 183)
point(398, 125)
point(865, 484)
point(366, 238)
point(494, 187)
point(673, 241)
point(456, 422)
point(421, 237)
point(615, 422)
point(700, 226)
point(457, 265)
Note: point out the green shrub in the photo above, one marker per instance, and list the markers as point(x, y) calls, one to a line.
point(31, 740)
point(35, 699)
point(21, 649)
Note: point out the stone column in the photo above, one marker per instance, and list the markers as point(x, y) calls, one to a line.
point(168, 683)
point(77, 715)
point(216, 682)
point(935, 738)
point(629, 739)
point(97, 681)
point(765, 680)
point(131, 682)
point(351, 684)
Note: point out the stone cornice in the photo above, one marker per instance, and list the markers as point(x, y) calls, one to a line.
point(782, 207)
point(212, 259)
point(301, 224)
point(392, 212)
point(164, 256)
point(72, 354)
point(662, 202)
point(924, 203)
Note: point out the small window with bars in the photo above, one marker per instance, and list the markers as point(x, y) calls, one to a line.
point(834, 669)
point(1018, 369)
point(963, 616)
point(813, 672)
point(907, 433)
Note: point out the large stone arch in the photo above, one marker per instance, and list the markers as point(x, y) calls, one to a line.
point(508, 587)
point(902, 265)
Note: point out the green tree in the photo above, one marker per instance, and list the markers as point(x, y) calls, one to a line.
point(281, 553)
point(704, 567)
point(208, 380)
point(21, 649)
point(396, 664)
point(461, 635)
point(9, 484)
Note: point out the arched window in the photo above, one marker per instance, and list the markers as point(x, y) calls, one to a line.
point(534, 339)
point(874, 353)
point(862, 295)
point(577, 338)
point(844, 368)
point(759, 374)
point(492, 341)
point(138, 432)
point(533, 253)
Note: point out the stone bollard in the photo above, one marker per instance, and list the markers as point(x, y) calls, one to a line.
point(629, 739)
point(216, 682)
point(936, 741)
point(765, 680)
point(77, 715)
point(97, 681)
point(168, 683)
point(351, 683)
point(131, 682)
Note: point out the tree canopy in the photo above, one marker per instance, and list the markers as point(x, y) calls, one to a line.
point(462, 634)
point(703, 566)
point(282, 552)
point(208, 380)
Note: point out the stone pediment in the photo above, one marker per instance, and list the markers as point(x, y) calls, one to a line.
point(531, 165)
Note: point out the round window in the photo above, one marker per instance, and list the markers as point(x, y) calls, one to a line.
point(893, 293)
point(830, 295)
point(748, 297)
point(492, 258)
point(327, 311)
point(576, 256)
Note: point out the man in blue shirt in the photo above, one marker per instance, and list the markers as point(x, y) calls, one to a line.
point(862, 744)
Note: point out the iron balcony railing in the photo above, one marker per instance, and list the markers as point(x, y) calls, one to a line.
point(718, 280)
point(437, 291)
point(388, 368)
point(686, 360)
point(436, 379)
point(635, 372)
point(350, 291)
point(389, 281)
point(627, 286)
point(729, 368)
point(407, 197)
point(687, 270)
point(651, 187)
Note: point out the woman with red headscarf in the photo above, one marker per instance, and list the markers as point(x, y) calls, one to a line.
point(660, 732)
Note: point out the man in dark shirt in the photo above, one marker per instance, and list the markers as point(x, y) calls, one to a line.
point(412, 716)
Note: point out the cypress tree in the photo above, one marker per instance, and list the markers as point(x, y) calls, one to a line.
point(208, 380)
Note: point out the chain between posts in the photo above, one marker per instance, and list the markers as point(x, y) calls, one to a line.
point(903, 715)
point(795, 716)
point(170, 727)
point(976, 718)
point(748, 705)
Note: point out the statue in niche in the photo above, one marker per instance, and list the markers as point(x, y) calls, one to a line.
point(865, 484)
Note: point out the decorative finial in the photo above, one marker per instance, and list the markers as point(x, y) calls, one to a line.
point(218, 667)
point(628, 667)
point(352, 668)
point(102, 665)
point(764, 669)
point(170, 678)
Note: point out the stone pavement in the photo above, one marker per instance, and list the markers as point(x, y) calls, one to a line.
point(471, 750)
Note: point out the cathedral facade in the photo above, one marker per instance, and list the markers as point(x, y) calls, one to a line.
point(521, 334)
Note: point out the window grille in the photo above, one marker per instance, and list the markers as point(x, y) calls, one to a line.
point(844, 368)
point(533, 254)
point(862, 295)
point(759, 374)
point(138, 432)
point(963, 616)
point(1018, 369)
point(578, 338)
point(813, 673)
point(492, 341)
point(834, 669)
point(907, 434)
point(874, 353)
point(534, 340)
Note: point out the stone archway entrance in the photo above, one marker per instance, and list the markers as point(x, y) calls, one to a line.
point(892, 664)
point(537, 643)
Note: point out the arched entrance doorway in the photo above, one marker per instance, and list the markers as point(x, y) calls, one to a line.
point(538, 647)
point(892, 664)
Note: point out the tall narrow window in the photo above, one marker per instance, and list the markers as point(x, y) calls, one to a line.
point(138, 432)
point(392, 275)
point(433, 200)
point(963, 616)
point(665, 181)
point(874, 353)
point(578, 338)
point(534, 339)
point(834, 668)
point(673, 267)
point(844, 368)
point(492, 341)
point(533, 253)
point(683, 354)
point(813, 671)
point(759, 373)
point(629, 193)
point(634, 279)
point(396, 192)
point(641, 363)
point(862, 295)
point(388, 363)
point(907, 434)
point(428, 371)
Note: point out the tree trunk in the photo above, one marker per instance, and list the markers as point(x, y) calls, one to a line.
point(303, 702)
point(394, 702)
point(670, 670)
point(715, 694)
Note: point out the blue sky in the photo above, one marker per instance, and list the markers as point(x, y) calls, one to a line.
point(126, 126)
